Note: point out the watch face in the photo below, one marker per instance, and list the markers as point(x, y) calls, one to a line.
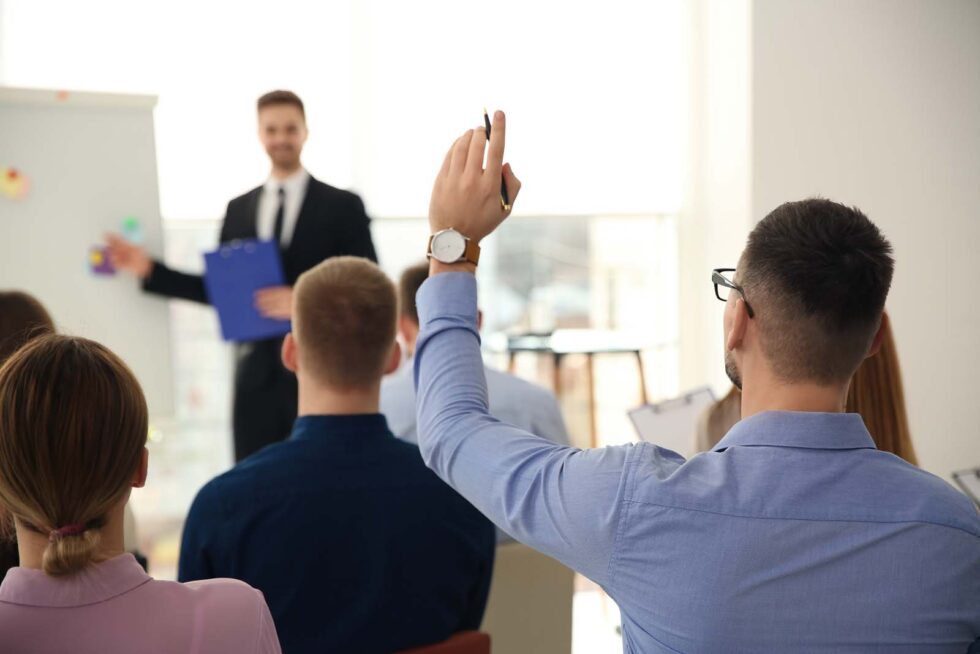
point(448, 246)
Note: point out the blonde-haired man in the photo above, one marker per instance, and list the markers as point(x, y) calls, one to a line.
point(341, 526)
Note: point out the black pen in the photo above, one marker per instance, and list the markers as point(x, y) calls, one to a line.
point(504, 200)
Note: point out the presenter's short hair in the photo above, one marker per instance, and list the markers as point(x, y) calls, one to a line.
point(817, 274)
point(408, 287)
point(281, 97)
point(344, 322)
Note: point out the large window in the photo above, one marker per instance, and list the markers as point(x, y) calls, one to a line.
point(597, 93)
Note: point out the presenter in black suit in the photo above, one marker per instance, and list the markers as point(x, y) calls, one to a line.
point(312, 221)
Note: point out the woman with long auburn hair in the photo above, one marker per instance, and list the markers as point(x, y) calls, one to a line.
point(877, 393)
point(73, 426)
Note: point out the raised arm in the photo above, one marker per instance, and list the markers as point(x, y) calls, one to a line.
point(560, 500)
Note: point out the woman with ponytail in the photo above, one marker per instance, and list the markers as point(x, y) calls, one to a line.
point(73, 426)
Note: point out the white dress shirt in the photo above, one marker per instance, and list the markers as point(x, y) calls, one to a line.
point(513, 400)
point(295, 190)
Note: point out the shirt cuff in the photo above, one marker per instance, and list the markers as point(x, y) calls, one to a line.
point(447, 294)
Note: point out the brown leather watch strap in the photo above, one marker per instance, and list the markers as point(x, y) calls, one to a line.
point(472, 252)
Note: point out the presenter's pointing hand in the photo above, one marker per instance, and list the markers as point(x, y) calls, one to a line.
point(128, 257)
point(466, 196)
point(275, 302)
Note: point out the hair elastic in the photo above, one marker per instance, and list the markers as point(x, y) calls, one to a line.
point(67, 530)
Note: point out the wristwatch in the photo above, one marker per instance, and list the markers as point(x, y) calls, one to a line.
point(449, 246)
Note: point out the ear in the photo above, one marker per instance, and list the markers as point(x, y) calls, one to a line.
point(139, 479)
point(289, 358)
point(394, 359)
point(409, 331)
point(740, 324)
point(479, 319)
point(879, 337)
point(405, 328)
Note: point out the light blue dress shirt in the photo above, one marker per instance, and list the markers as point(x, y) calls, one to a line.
point(513, 400)
point(793, 534)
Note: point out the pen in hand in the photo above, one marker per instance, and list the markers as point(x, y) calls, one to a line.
point(504, 200)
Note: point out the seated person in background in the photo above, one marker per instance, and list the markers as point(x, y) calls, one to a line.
point(876, 392)
point(512, 399)
point(21, 318)
point(357, 546)
point(794, 534)
point(73, 426)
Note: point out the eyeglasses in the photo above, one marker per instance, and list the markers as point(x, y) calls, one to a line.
point(723, 286)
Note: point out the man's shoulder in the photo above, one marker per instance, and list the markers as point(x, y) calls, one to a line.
point(517, 385)
point(245, 197)
point(331, 193)
point(929, 497)
point(246, 475)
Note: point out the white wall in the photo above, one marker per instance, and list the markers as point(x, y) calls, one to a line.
point(717, 214)
point(876, 103)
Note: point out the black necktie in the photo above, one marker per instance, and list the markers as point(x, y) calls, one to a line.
point(280, 217)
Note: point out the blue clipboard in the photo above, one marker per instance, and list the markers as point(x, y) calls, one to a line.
point(232, 274)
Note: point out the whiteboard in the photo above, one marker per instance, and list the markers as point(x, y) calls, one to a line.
point(90, 161)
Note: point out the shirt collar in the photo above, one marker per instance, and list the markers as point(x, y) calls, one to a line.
point(95, 583)
point(293, 184)
point(822, 431)
point(319, 426)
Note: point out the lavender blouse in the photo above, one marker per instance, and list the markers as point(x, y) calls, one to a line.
point(114, 607)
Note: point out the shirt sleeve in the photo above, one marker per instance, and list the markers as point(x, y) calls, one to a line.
point(562, 501)
point(549, 422)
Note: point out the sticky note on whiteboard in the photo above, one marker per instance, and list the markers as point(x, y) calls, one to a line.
point(98, 261)
point(13, 184)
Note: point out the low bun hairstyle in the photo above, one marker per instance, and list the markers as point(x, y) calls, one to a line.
point(73, 425)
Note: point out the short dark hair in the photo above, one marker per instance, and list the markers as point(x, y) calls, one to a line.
point(408, 286)
point(280, 97)
point(817, 274)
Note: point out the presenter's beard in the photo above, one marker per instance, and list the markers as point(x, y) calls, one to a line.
point(284, 157)
point(732, 370)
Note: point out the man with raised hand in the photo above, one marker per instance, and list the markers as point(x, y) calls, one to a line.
point(794, 533)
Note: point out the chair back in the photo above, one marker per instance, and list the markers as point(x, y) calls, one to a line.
point(464, 642)
point(530, 604)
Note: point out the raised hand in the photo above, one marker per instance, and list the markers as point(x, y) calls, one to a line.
point(466, 196)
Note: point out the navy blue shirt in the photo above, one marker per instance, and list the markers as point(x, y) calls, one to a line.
point(357, 546)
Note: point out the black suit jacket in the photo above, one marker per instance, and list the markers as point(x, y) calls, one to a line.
point(331, 222)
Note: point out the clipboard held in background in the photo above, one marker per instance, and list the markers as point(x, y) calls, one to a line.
point(233, 273)
point(671, 424)
point(969, 483)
